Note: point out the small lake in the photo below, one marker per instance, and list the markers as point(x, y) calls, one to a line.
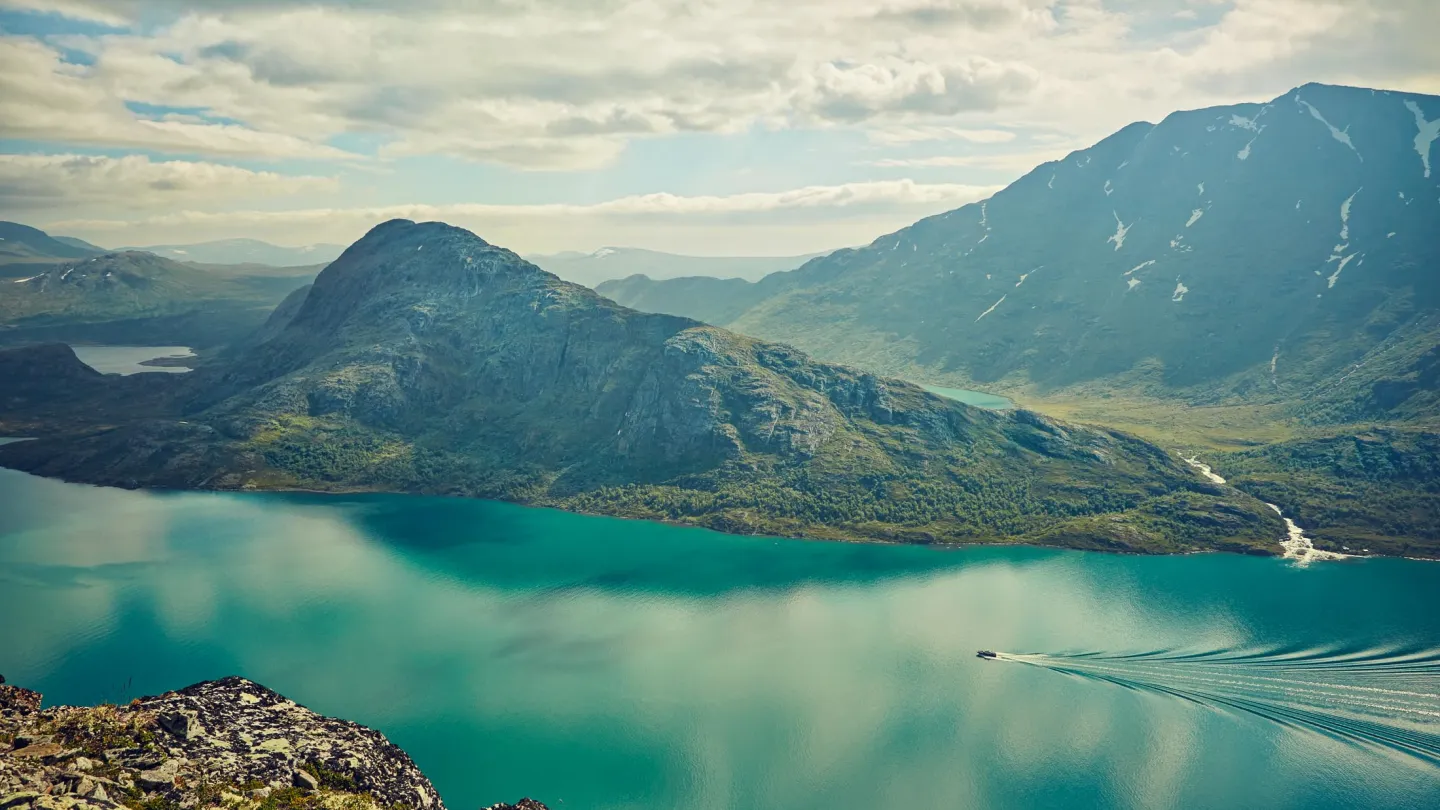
point(128, 359)
point(606, 664)
point(979, 399)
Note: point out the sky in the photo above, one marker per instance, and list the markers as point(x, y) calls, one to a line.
point(710, 127)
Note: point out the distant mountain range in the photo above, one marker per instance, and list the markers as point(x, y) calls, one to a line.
point(24, 243)
point(1259, 252)
point(56, 289)
point(590, 269)
point(426, 360)
point(245, 251)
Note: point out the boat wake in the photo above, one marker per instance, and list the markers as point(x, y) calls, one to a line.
point(1378, 698)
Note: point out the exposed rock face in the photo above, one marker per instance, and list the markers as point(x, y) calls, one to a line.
point(230, 743)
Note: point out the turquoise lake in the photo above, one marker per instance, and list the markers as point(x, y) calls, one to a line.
point(599, 663)
point(979, 399)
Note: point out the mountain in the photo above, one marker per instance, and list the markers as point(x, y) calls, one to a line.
point(590, 269)
point(24, 243)
point(245, 251)
point(712, 300)
point(1275, 263)
point(137, 297)
point(427, 360)
point(1254, 253)
point(185, 747)
point(79, 243)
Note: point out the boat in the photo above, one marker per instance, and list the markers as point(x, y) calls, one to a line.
point(985, 654)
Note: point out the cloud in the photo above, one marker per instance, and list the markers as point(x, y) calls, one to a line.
point(45, 98)
point(914, 134)
point(567, 84)
point(34, 182)
point(1017, 162)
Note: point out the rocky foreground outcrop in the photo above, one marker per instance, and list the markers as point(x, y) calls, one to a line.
point(229, 743)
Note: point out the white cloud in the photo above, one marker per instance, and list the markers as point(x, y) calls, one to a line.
point(564, 84)
point(916, 134)
point(45, 98)
point(33, 182)
point(1018, 162)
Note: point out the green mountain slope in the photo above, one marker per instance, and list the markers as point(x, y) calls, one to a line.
point(1249, 253)
point(426, 360)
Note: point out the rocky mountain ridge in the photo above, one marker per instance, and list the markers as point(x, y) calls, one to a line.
point(228, 743)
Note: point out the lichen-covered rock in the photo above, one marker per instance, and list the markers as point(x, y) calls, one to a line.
point(229, 743)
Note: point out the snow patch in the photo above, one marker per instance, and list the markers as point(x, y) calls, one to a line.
point(1108, 189)
point(1024, 276)
point(1140, 266)
point(1120, 230)
point(1195, 216)
point(1201, 187)
point(1343, 136)
point(992, 307)
point(1244, 154)
point(1429, 131)
point(23, 280)
point(1051, 184)
point(1244, 123)
point(1390, 235)
point(1179, 294)
point(1133, 283)
point(1345, 215)
point(602, 253)
point(1334, 277)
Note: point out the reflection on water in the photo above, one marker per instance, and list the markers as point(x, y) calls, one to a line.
point(129, 359)
point(616, 664)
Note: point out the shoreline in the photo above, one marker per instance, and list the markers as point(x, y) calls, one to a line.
point(839, 535)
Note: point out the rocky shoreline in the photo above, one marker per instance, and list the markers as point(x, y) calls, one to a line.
point(229, 743)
